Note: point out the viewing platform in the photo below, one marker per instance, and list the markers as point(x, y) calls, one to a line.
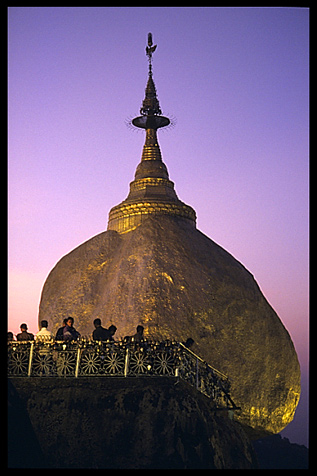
point(88, 358)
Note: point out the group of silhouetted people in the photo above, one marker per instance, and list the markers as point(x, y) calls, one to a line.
point(67, 332)
point(23, 335)
point(101, 333)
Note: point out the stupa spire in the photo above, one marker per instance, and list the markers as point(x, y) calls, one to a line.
point(151, 192)
point(151, 114)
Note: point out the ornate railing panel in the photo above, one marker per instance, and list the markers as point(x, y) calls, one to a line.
point(94, 359)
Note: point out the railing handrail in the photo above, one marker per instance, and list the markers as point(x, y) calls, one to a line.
point(203, 361)
point(86, 357)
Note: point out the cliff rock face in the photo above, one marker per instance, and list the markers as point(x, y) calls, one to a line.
point(178, 283)
point(131, 423)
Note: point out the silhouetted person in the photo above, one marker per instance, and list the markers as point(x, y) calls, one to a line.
point(100, 333)
point(59, 333)
point(112, 330)
point(44, 333)
point(24, 335)
point(69, 332)
point(189, 342)
point(10, 336)
point(139, 334)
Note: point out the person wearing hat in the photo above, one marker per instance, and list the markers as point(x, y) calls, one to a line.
point(24, 335)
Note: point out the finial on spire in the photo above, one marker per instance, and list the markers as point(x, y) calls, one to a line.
point(149, 51)
point(151, 114)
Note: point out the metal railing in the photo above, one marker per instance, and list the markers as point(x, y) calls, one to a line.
point(87, 358)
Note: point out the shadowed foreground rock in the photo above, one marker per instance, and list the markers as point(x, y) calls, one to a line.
point(275, 452)
point(24, 450)
point(131, 423)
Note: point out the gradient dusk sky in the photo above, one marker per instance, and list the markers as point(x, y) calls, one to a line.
point(236, 82)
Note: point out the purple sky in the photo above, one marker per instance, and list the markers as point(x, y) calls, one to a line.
point(235, 79)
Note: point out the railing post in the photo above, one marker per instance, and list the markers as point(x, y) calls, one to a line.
point(126, 362)
point(30, 359)
point(77, 362)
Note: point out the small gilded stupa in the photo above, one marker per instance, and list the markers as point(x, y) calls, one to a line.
point(153, 267)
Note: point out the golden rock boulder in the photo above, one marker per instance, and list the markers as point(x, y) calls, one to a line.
point(178, 283)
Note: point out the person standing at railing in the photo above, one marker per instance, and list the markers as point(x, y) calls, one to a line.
point(69, 332)
point(44, 333)
point(10, 336)
point(24, 335)
point(100, 333)
point(139, 334)
point(112, 330)
point(189, 342)
point(59, 333)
